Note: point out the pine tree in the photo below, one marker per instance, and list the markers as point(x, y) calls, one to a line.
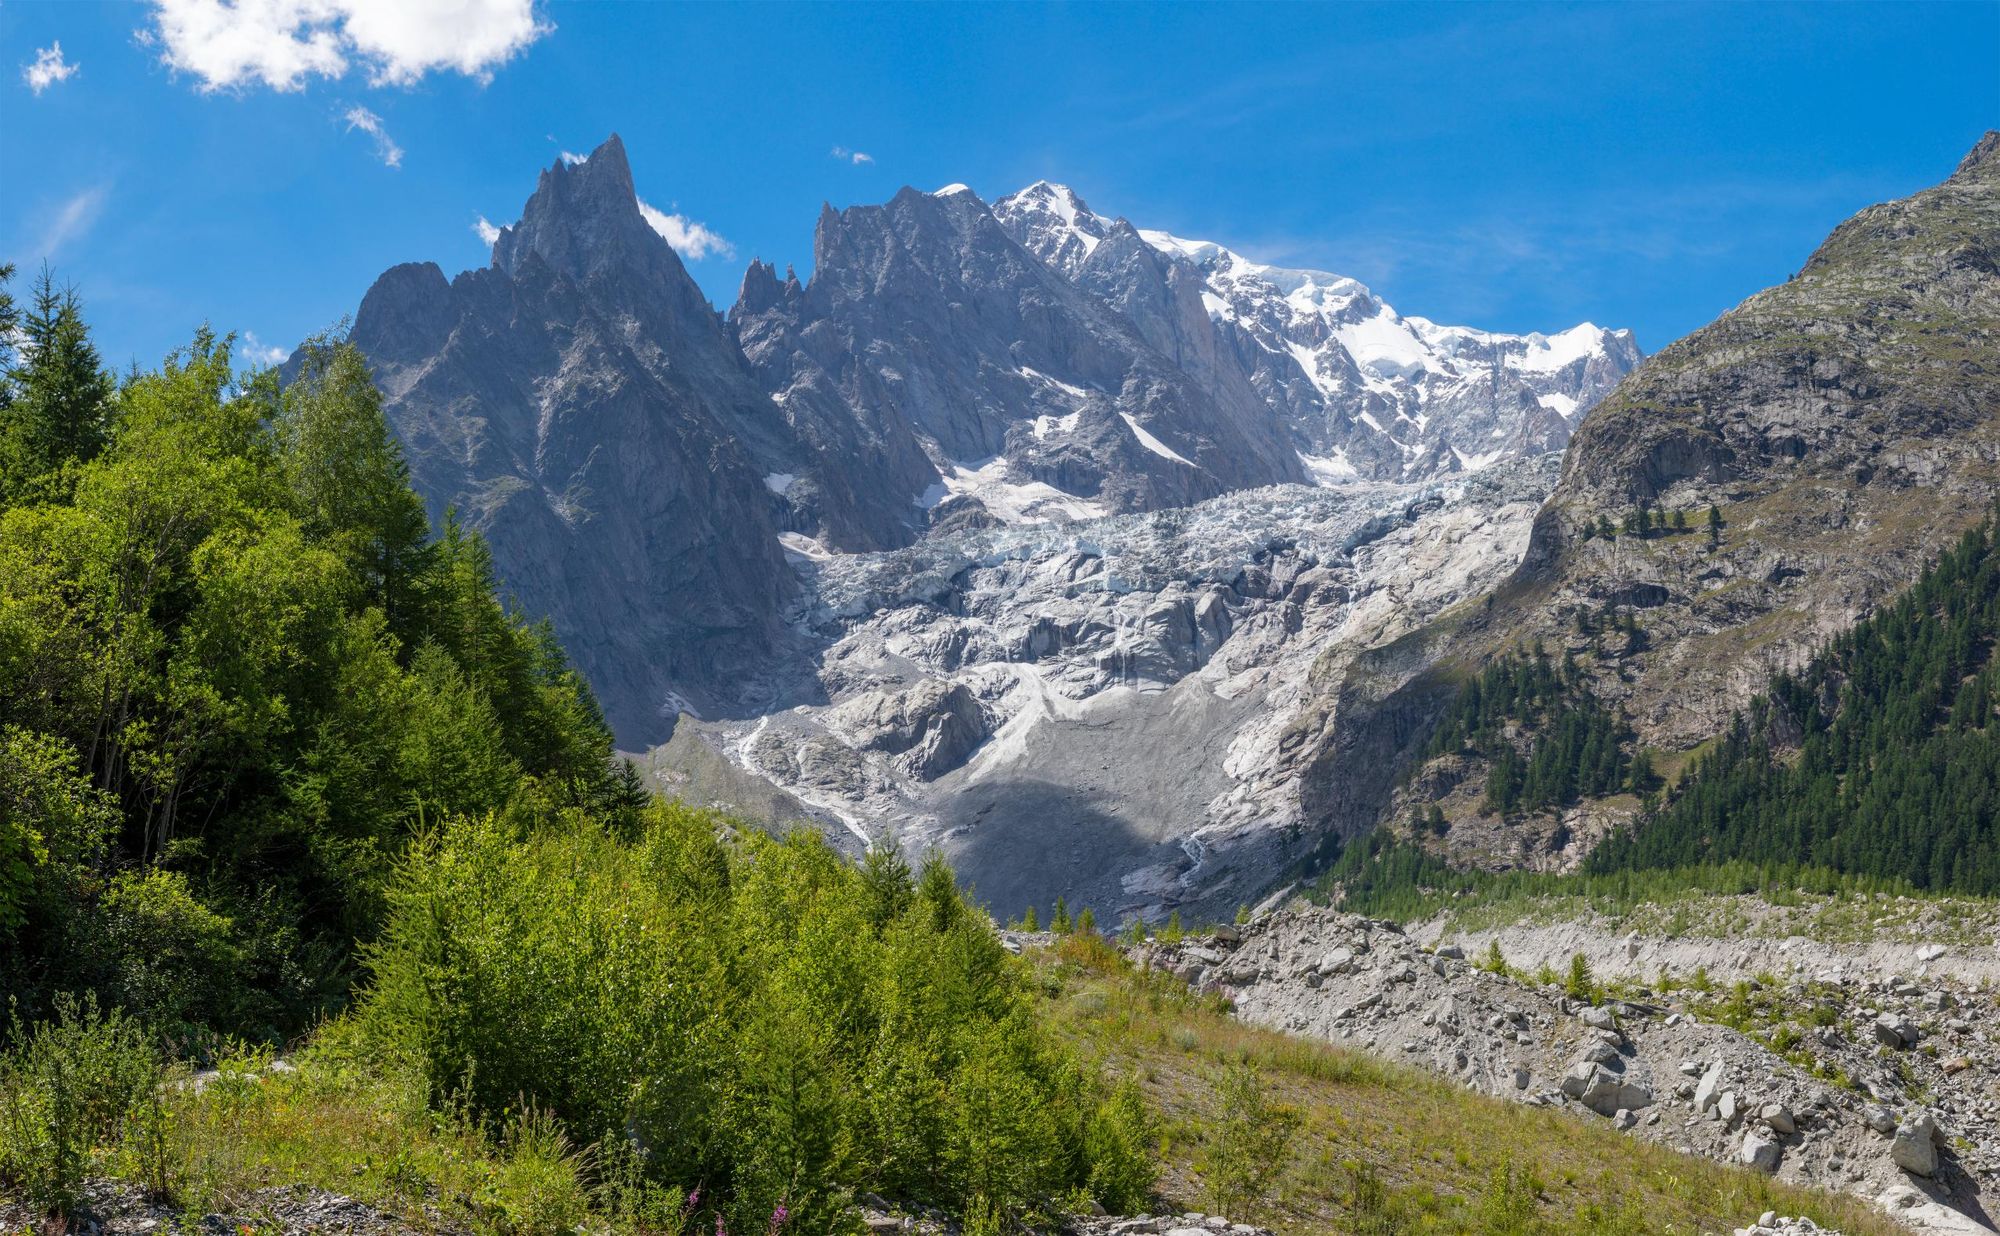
point(1680, 522)
point(886, 878)
point(62, 406)
point(1579, 983)
point(1059, 921)
point(1030, 920)
point(1714, 526)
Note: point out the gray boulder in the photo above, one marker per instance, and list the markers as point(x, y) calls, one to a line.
point(1915, 1147)
point(1760, 1151)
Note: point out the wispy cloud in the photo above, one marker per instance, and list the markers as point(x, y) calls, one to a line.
point(258, 353)
point(487, 233)
point(282, 43)
point(47, 68)
point(852, 156)
point(368, 122)
point(692, 240)
point(571, 158)
point(71, 220)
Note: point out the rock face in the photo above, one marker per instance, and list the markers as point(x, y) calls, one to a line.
point(1845, 424)
point(934, 725)
point(1026, 398)
point(1361, 390)
point(579, 404)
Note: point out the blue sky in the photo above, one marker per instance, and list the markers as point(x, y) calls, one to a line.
point(1512, 167)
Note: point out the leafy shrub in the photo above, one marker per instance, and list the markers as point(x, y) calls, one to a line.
point(65, 1089)
point(539, 1189)
point(1249, 1143)
point(1119, 1144)
point(760, 1018)
point(175, 960)
point(1579, 983)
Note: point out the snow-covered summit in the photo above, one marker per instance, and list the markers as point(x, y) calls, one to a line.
point(1366, 391)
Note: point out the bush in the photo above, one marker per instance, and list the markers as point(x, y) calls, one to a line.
point(1579, 983)
point(1119, 1144)
point(65, 1089)
point(1250, 1142)
point(761, 1018)
point(538, 1190)
point(175, 960)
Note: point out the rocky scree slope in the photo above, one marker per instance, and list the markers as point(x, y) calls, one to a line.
point(1846, 424)
point(1916, 1127)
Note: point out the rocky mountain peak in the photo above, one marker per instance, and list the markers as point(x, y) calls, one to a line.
point(1053, 222)
point(584, 217)
point(1983, 159)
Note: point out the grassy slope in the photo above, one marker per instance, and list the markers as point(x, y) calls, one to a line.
point(1378, 1148)
point(1382, 1148)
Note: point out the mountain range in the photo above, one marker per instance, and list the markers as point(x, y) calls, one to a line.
point(651, 473)
point(1116, 564)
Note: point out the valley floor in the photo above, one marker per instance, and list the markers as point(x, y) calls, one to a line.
point(1273, 1129)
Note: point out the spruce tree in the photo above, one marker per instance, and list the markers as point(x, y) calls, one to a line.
point(63, 398)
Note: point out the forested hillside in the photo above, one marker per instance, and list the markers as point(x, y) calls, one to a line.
point(1877, 763)
point(237, 671)
point(270, 747)
point(1881, 758)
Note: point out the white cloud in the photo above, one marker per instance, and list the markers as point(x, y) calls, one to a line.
point(487, 233)
point(852, 156)
point(690, 239)
point(368, 122)
point(280, 43)
point(570, 158)
point(48, 68)
point(71, 219)
point(260, 354)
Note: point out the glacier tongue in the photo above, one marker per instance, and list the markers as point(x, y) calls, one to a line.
point(1082, 708)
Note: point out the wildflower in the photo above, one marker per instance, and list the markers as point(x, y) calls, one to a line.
point(778, 1218)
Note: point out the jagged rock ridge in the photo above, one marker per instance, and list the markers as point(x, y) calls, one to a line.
point(1362, 390)
point(579, 403)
